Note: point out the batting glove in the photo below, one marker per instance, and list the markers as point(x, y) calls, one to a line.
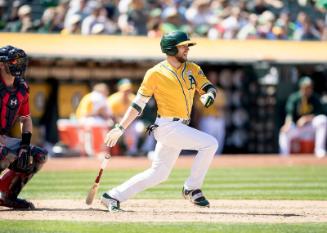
point(207, 99)
point(113, 135)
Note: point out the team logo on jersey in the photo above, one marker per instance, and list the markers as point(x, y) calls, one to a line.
point(191, 80)
point(12, 102)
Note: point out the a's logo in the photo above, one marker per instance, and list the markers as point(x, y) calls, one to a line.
point(192, 81)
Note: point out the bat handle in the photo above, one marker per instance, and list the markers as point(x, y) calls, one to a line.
point(97, 180)
point(105, 161)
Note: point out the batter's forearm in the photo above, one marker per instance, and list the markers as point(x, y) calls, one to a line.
point(129, 117)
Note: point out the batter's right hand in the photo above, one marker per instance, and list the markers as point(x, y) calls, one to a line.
point(113, 136)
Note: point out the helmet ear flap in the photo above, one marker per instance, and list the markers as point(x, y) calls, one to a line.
point(172, 51)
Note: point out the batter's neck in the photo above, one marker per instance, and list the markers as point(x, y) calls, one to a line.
point(174, 62)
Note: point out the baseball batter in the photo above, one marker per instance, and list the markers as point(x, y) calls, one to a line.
point(172, 83)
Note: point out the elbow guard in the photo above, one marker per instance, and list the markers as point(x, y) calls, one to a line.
point(139, 103)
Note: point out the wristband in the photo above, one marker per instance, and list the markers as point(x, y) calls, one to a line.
point(26, 138)
point(120, 127)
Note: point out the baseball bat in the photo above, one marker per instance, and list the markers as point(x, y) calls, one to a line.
point(94, 189)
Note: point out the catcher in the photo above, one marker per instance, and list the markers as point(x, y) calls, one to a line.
point(20, 159)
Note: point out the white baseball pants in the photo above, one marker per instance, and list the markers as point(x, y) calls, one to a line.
point(172, 137)
point(316, 129)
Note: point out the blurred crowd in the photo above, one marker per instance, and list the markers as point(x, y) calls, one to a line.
point(215, 19)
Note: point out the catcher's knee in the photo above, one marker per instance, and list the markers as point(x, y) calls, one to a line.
point(40, 156)
point(6, 158)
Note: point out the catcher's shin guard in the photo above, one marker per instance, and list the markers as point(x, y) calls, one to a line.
point(11, 184)
point(13, 181)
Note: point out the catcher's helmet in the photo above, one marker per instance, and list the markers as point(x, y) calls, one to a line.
point(170, 41)
point(15, 59)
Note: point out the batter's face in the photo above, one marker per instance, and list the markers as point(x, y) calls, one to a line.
point(181, 55)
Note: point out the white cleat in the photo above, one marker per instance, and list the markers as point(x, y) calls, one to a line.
point(110, 203)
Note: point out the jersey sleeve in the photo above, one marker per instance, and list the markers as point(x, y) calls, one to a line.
point(25, 108)
point(201, 80)
point(148, 85)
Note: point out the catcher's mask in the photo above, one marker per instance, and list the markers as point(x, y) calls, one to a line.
point(15, 59)
point(170, 41)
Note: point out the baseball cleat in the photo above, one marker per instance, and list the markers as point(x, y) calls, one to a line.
point(196, 197)
point(112, 204)
point(19, 204)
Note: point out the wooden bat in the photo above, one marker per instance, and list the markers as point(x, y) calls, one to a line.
point(94, 189)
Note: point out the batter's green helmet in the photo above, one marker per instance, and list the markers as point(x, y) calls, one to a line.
point(170, 41)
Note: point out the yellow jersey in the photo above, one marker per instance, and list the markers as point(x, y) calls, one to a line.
point(174, 89)
point(91, 104)
point(118, 105)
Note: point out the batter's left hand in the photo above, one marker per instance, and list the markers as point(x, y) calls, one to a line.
point(207, 99)
point(113, 136)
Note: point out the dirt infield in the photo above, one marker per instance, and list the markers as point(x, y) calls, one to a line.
point(221, 211)
point(137, 210)
point(120, 162)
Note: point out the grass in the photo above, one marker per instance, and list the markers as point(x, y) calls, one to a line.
point(273, 183)
point(82, 227)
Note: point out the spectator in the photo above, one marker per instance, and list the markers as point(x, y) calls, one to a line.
point(76, 7)
point(306, 31)
point(119, 102)
point(212, 120)
point(92, 19)
point(2, 14)
point(172, 21)
point(93, 113)
point(73, 26)
point(13, 14)
point(154, 23)
point(46, 24)
point(93, 107)
point(200, 14)
point(59, 19)
point(137, 16)
point(215, 19)
point(249, 31)
point(305, 117)
point(24, 22)
point(231, 24)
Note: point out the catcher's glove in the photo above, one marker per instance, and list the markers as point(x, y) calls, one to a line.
point(25, 159)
